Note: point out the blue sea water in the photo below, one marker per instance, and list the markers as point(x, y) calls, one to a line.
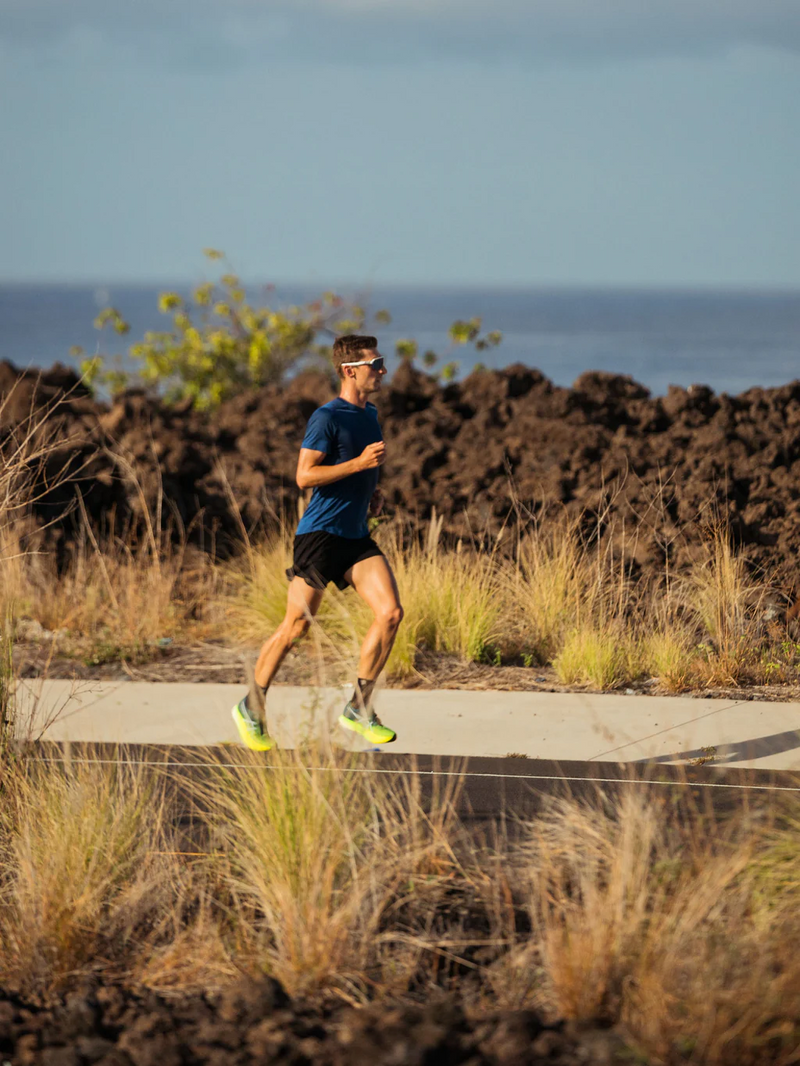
point(728, 340)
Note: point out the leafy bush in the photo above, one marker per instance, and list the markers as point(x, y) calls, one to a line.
point(460, 332)
point(221, 344)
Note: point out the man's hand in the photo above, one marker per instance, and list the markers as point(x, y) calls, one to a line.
point(376, 503)
point(372, 456)
point(312, 471)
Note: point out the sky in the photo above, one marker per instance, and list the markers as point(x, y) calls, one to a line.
point(425, 142)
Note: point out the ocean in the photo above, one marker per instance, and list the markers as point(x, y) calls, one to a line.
point(727, 340)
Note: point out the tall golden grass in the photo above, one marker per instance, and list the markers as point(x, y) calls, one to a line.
point(556, 601)
point(118, 601)
point(663, 931)
point(75, 845)
point(450, 600)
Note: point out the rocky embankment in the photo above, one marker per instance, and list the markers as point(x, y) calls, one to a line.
point(259, 1023)
point(498, 443)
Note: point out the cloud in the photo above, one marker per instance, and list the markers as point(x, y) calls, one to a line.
point(370, 31)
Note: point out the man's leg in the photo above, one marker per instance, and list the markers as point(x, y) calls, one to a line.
point(302, 603)
point(374, 582)
point(249, 714)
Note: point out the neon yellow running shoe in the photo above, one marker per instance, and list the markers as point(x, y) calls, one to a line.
point(251, 732)
point(369, 725)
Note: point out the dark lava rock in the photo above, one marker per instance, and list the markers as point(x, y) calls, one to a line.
point(258, 1023)
point(499, 444)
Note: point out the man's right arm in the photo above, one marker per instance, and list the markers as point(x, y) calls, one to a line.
point(311, 472)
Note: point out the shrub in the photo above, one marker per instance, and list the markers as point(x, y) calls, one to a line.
point(221, 344)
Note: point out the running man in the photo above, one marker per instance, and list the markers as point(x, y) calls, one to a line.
point(339, 459)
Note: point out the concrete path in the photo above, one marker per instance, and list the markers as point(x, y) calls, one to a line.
point(539, 725)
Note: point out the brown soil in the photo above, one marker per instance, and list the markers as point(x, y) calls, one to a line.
point(499, 444)
point(258, 1023)
point(215, 662)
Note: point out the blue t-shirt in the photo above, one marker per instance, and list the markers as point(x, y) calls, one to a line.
point(342, 430)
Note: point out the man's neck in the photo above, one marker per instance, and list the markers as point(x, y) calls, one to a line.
point(352, 394)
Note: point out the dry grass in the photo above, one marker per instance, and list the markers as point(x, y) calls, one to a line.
point(75, 840)
point(312, 855)
point(6, 686)
point(560, 601)
point(451, 601)
point(297, 847)
point(674, 927)
point(556, 587)
point(642, 923)
point(293, 870)
point(114, 603)
point(603, 657)
point(27, 448)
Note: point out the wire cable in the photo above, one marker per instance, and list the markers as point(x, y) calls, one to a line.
point(429, 773)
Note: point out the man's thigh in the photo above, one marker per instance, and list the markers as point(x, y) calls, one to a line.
point(302, 600)
point(375, 583)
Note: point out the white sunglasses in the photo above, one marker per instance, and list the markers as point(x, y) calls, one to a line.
point(376, 363)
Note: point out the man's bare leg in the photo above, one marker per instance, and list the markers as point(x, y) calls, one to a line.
point(249, 714)
point(374, 582)
point(302, 603)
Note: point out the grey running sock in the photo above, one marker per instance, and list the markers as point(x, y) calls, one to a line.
point(252, 711)
point(362, 693)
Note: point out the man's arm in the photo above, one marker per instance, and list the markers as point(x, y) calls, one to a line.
point(311, 472)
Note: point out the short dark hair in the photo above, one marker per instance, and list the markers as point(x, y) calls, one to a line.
point(348, 348)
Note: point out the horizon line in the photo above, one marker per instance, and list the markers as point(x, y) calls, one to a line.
point(686, 287)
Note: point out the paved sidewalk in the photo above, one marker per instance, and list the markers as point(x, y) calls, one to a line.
point(539, 725)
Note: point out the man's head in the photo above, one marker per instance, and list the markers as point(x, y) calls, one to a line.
point(357, 357)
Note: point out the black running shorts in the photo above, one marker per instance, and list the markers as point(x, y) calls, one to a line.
point(322, 557)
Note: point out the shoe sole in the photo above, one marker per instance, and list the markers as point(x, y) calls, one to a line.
point(245, 737)
point(348, 723)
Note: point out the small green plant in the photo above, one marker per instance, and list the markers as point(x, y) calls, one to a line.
point(221, 343)
point(592, 656)
point(461, 332)
point(492, 655)
point(669, 657)
point(709, 754)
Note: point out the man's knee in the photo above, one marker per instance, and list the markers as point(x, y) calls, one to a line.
point(391, 617)
point(295, 627)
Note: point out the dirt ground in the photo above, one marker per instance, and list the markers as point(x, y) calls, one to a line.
point(209, 662)
point(258, 1023)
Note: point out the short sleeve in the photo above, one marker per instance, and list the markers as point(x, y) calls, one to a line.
point(320, 432)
